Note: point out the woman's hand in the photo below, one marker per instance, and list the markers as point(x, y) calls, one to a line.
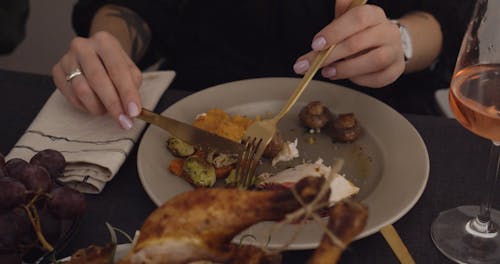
point(368, 47)
point(110, 80)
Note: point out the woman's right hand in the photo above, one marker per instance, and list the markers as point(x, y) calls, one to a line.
point(109, 82)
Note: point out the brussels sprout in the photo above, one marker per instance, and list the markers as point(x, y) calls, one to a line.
point(230, 180)
point(179, 148)
point(199, 172)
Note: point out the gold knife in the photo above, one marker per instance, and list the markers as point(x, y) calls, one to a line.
point(191, 134)
point(398, 247)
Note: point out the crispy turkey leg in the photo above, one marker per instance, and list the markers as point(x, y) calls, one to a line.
point(199, 225)
point(347, 220)
point(248, 254)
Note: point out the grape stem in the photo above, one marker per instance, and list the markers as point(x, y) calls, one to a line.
point(32, 213)
point(33, 200)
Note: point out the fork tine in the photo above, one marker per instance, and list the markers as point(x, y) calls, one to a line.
point(242, 169)
point(252, 163)
point(247, 163)
point(241, 160)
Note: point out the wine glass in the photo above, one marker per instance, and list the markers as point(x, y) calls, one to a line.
point(469, 234)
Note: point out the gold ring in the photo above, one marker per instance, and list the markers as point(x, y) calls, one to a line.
point(73, 74)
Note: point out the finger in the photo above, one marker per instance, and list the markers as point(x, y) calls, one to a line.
point(341, 6)
point(99, 81)
point(86, 95)
point(380, 79)
point(304, 62)
point(117, 67)
point(373, 61)
point(375, 36)
point(134, 70)
point(79, 87)
point(59, 77)
point(352, 22)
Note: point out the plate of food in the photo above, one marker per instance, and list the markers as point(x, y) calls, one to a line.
point(387, 164)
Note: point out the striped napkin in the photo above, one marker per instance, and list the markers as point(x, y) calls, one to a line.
point(94, 147)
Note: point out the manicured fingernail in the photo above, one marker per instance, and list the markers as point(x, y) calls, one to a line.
point(329, 72)
point(301, 66)
point(125, 122)
point(318, 43)
point(133, 109)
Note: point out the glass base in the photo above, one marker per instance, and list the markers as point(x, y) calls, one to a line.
point(456, 239)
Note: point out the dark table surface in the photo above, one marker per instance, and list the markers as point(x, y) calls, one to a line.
point(457, 166)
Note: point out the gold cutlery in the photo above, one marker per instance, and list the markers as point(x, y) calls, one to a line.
point(398, 247)
point(191, 134)
point(259, 134)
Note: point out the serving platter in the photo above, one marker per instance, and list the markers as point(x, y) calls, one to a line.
point(389, 162)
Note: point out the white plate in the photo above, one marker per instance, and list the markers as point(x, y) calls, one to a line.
point(389, 162)
point(121, 252)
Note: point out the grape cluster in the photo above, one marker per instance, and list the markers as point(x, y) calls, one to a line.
point(33, 205)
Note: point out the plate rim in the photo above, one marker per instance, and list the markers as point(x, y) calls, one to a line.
point(366, 232)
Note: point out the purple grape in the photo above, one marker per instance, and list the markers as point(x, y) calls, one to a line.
point(24, 227)
point(52, 160)
point(8, 234)
point(51, 225)
point(36, 178)
point(14, 167)
point(66, 203)
point(12, 193)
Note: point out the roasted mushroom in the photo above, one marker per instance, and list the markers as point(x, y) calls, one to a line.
point(315, 115)
point(345, 128)
point(274, 146)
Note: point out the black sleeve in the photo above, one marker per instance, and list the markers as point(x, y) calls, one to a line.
point(453, 16)
point(13, 17)
point(158, 14)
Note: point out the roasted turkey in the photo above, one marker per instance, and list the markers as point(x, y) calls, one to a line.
point(198, 226)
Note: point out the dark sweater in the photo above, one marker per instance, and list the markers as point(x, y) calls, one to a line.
point(211, 42)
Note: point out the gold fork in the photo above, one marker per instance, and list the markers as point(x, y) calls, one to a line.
point(260, 133)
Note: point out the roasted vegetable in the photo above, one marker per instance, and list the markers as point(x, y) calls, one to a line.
point(175, 166)
point(274, 147)
point(223, 172)
point(179, 148)
point(315, 115)
point(345, 128)
point(219, 160)
point(198, 172)
point(223, 163)
point(230, 180)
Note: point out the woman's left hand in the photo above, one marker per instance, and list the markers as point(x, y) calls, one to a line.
point(368, 47)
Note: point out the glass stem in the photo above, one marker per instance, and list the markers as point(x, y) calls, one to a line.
point(482, 223)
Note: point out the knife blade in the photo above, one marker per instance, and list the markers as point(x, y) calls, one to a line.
point(191, 134)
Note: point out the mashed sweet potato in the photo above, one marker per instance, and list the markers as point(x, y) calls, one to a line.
point(219, 122)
